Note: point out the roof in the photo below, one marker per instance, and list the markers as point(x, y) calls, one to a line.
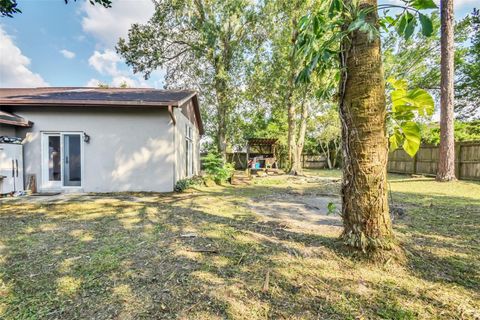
point(99, 97)
point(261, 141)
point(13, 119)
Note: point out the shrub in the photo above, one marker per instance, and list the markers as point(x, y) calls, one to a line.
point(184, 184)
point(216, 168)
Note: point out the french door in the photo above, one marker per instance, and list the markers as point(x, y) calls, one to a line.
point(62, 160)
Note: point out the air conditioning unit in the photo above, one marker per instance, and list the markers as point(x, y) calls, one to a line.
point(11, 168)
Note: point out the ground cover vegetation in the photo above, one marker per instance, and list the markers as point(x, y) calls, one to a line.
point(225, 252)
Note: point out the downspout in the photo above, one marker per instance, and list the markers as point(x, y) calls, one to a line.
point(172, 116)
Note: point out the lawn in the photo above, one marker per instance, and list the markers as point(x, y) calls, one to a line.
point(264, 251)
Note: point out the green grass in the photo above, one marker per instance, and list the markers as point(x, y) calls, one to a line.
point(130, 256)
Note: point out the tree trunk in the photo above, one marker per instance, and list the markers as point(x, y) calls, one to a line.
point(292, 128)
point(365, 213)
point(300, 143)
point(329, 158)
point(222, 131)
point(292, 124)
point(446, 163)
point(335, 154)
point(326, 154)
point(221, 90)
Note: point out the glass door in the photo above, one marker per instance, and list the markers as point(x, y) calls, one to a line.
point(72, 160)
point(62, 160)
point(52, 173)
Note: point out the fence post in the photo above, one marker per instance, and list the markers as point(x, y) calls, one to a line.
point(415, 162)
point(458, 158)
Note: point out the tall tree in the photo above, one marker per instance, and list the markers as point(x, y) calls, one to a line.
point(202, 44)
point(280, 64)
point(362, 107)
point(467, 57)
point(446, 157)
point(366, 217)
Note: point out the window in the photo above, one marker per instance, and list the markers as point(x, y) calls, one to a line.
point(188, 151)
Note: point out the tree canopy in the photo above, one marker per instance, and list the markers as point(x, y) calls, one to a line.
point(10, 7)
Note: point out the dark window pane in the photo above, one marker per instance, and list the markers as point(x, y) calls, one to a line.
point(72, 164)
point(54, 158)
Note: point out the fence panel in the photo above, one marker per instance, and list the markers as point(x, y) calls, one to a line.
point(467, 161)
point(312, 161)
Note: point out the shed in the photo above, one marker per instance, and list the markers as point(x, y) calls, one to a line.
point(261, 153)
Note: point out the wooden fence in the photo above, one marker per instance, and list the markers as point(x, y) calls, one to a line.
point(310, 161)
point(425, 162)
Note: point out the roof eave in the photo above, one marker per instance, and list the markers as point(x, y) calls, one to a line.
point(84, 103)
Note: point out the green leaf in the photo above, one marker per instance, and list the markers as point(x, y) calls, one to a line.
point(406, 25)
point(335, 7)
point(411, 131)
point(398, 83)
point(427, 26)
point(422, 100)
point(423, 4)
point(331, 207)
point(398, 99)
point(395, 140)
point(357, 23)
point(410, 27)
point(390, 20)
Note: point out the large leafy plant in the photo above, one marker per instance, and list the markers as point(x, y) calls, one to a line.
point(216, 168)
point(407, 105)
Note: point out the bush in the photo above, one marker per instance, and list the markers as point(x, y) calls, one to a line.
point(216, 169)
point(184, 184)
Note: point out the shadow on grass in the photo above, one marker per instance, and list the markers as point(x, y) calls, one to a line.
point(118, 256)
point(129, 260)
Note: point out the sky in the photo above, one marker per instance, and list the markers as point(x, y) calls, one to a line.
point(53, 44)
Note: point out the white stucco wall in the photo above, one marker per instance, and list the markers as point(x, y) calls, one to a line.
point(6, 130)
point(130, 149)
point(181, 169)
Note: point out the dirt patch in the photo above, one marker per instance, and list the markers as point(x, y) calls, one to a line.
point(306, 212)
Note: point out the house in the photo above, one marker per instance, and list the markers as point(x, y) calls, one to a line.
point(104, 140)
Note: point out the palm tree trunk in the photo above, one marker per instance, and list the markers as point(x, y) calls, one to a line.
point(446, 163)
point(365, 213)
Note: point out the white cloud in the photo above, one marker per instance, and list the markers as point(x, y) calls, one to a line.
point(14, 71)
point(107, 25)
point(67, 54)
point(119, 81)
point(105, 63)
point(458, 4)
point(93, 83)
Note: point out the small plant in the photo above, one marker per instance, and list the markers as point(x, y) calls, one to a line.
point(216, 169)
point(184, 184)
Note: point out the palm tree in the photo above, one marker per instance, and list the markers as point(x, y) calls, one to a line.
point(367, 223)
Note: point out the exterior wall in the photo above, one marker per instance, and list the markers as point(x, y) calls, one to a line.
point(180, 142)
point(130, 149)
point(6, 130)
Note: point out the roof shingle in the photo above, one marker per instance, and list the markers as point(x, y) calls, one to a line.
point(94, 96)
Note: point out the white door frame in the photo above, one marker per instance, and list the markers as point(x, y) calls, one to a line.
point(56, 185)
